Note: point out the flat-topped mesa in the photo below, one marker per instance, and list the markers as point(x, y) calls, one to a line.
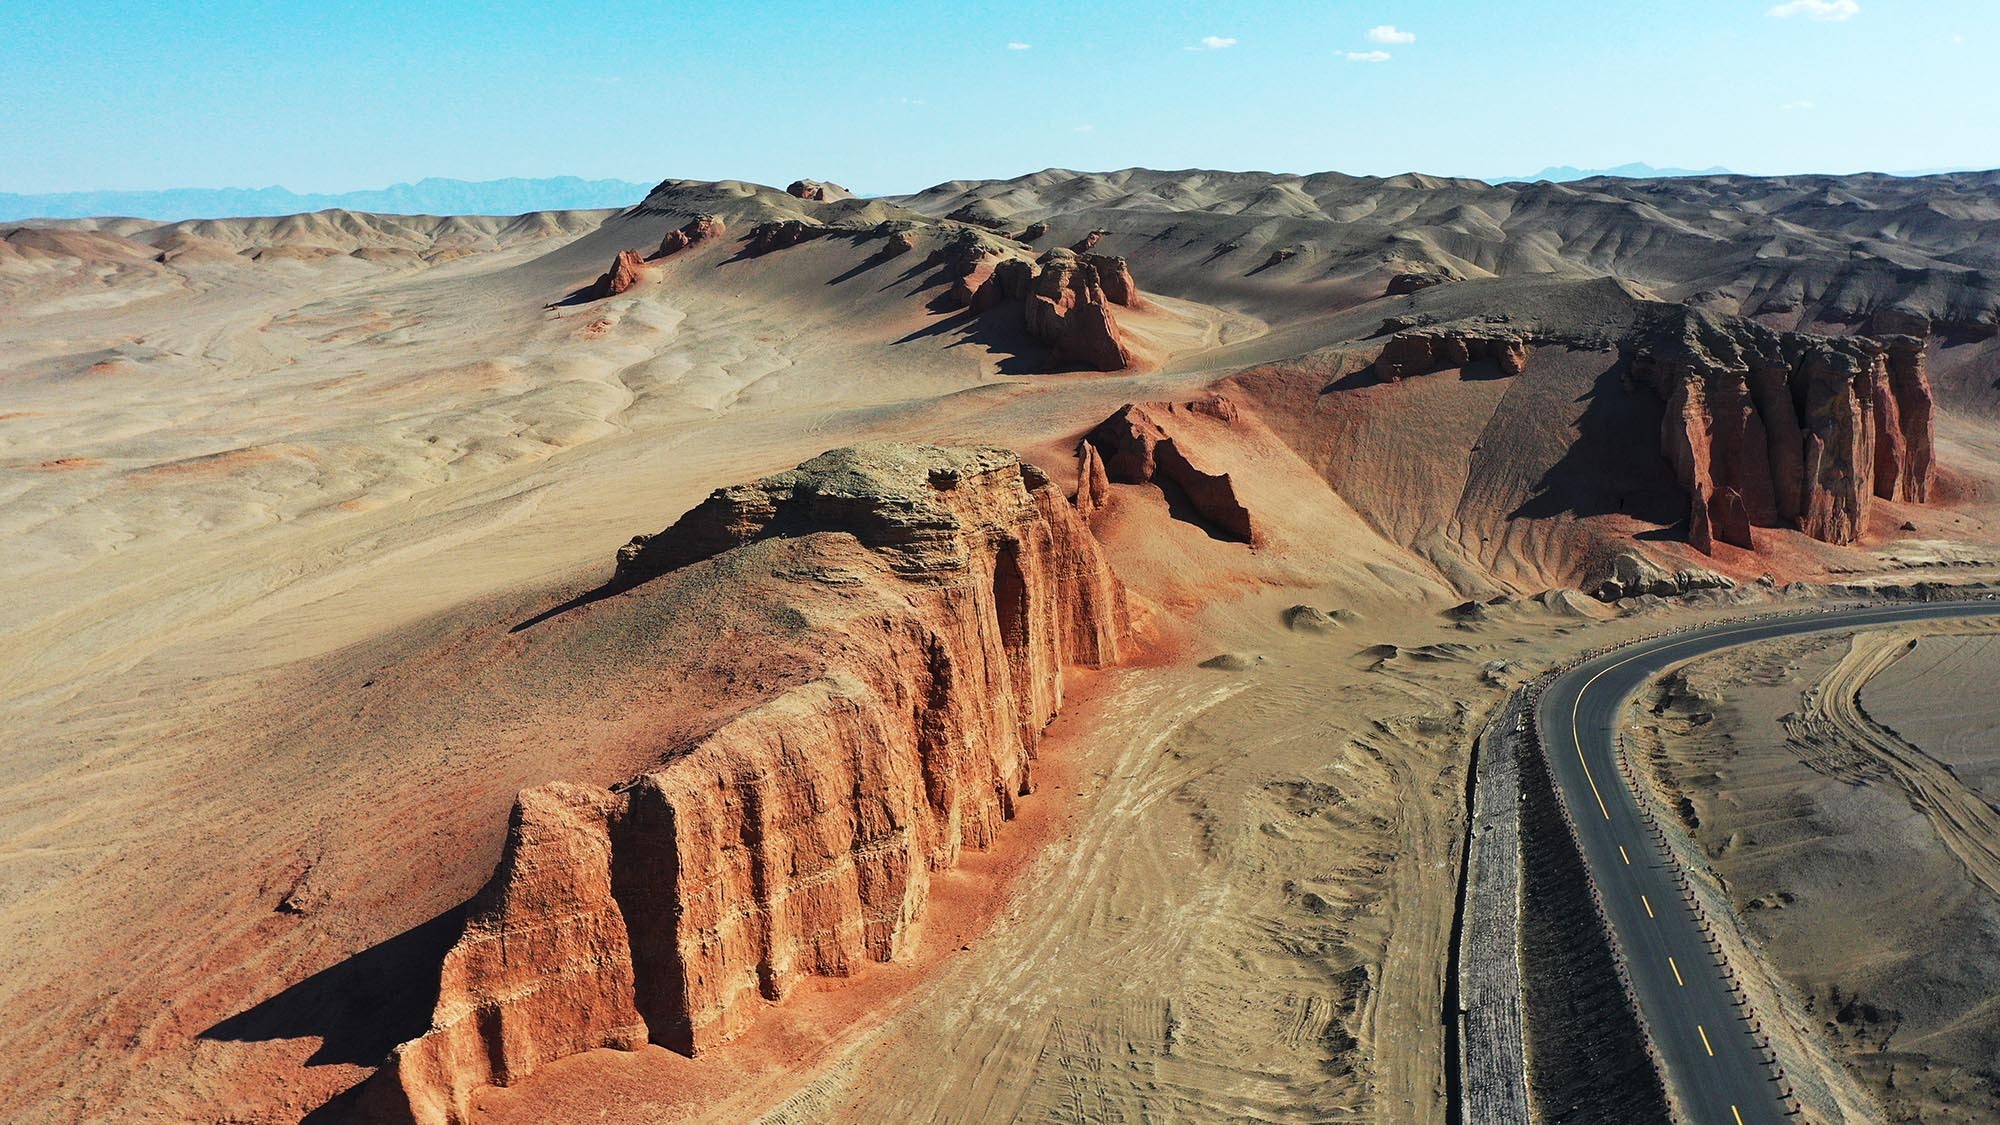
point(1146, 443)
point(700, 229)
point(798, 838)
point(817, 191)
point(1787, 429)
point(1448, 347)
point(626, 271)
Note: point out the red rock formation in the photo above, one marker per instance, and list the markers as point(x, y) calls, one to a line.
point(1066, 310)
point(1093, 487)
point(1795, 430)
point(1421, 351)
point(1142, 444)
point(702, 228)
point(814, 191)
point(798, 838)
point(626, 270)
point(1088, 242)
point(779, 235)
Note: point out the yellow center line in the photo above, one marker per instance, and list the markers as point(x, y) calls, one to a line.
point(1623, 856)
point(1649, 905)
point(1736, 1115)
point(1576, 707)
point(1704, 1040)
point(1677, 972)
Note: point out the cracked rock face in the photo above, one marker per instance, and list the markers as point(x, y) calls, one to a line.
point(798, 838)
point(1788, 429)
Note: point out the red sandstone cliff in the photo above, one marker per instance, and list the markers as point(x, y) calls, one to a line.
point(798, 838)
point(1787, 429)
point(1141, 444)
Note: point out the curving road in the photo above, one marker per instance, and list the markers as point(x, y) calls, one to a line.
point(1714, 1065)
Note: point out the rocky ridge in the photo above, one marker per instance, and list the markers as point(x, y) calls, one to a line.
point(1140, 445)
point(798, 838)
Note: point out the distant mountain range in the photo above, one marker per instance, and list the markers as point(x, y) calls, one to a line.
point(1563, 173)
point(430, 196)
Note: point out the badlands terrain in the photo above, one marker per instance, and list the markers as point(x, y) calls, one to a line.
point(1007, 652)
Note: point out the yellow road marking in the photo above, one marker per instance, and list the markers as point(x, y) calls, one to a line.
point(1623, 856)
point(1704, 1040)
point(1649, 905)
point(1736, 1115)
point(1576, 734)
point(1677, 972)
point(1576, 706)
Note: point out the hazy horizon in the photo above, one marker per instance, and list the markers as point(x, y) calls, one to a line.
point(897, 97)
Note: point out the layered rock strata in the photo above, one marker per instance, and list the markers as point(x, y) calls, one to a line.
point(1449, 347)
point(798, 838)
point(1788, 429)
point(1144, 443)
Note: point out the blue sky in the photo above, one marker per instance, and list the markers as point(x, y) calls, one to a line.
point(895, 96)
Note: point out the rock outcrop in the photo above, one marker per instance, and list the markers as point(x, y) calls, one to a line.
point(1088, 242)
point(1448, 347)
point(783, 234)
point(700, 229)
point(816, 191)
point(1632, 575)
point(798, 838)
point(1787, 429)
point(1141, 445)
point(625, 272)
point(1065, 297)
point(1067, 309)
point(1410, 281)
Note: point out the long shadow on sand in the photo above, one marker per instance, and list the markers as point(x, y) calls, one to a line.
point(1614, 466)
point(359, 1008)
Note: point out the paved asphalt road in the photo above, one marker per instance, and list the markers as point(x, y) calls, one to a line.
point(1714, 1064)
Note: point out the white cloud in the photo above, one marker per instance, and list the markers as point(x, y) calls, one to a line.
point(1802, 103)
point(1367, 56)
point(1390, 33)
point(1017, 45)
point(1818, 9)
point(1213, 43)
point(1083, 128)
